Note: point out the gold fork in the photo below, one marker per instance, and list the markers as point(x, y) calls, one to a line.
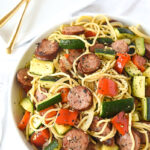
point(4, 20)
point(13, 39)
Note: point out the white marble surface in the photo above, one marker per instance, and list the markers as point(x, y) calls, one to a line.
point(49, 11)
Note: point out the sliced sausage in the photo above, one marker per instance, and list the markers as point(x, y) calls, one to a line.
point(47, 50)
point(90, 63)
point(75, 139)
point(97, 45)
point(40, 96)
point(64, 65)
point(80, 98)
point(147, 54)
point(120, 46)
point(147, 91)
point(73, 30)
point(73, 54)
point(79, 69)
point(24, 79)
point(125, 142)
point(107, 130)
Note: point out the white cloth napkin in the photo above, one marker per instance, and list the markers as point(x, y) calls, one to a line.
point(39, 14)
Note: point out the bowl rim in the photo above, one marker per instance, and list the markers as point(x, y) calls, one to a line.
point(126, 20)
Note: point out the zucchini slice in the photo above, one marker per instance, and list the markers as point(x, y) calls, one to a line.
point(27, 104)
point(48, 81)
point(54, 145)
point(48, 102)
point(36, 123)
point(110, 109)
point(140, 47)
point(105, 147)
point(106, 53)
point(146, 73)
point(124, 33)
point(40, 67)
point(62, 129)
point(104, 40)
point(72, 44)
point(146, 108)
point(132, 69)
point(138, 86)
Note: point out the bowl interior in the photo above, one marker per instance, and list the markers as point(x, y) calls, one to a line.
point(15, 89)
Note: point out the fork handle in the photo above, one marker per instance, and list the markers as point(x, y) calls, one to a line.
point(11, 13)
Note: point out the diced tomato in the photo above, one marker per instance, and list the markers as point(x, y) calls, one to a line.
point(64, 94)
point(139, 61)
point(121, 122)
point(121, 62)
point(40, 137)
point(66, 55)
point(89, 33)
point(50, 114)
point(23, 123)
point(107, 87)
point(66, 117)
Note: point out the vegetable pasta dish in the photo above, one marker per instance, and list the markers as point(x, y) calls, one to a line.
point(88, 88)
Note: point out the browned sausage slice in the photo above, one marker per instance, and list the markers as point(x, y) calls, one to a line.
point(90, 63)
point(80, 98)
point(40, 96)
point(73, 30)
point(147, 91)
point(107, 130)
point(147, 54)
point(73, 54)
point(97, 45)
point(75, 139)
point(79, 69)
point(120, 46)
point(47, 50)
point(24, 79)
point(125, 142)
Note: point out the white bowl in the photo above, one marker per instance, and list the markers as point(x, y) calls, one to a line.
point(14, 98)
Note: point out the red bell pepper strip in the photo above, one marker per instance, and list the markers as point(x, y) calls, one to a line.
point(66, 55)
point(66, 117)
point(139, 61)
point(64, 94)
point(40, 137)
point(49, 115)
point(89, 33)
point(107, 87)
point(23, 123)
point(121, 62)
point(121, 122)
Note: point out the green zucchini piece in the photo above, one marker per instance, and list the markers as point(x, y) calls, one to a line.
point(146, 73)
point(62, 129)
point(146, 108)
point(140, 47)
point(110, 109)
point(48, 81)
point(53, 146)
point(40, 67)
point(36, 123)
point(106, 53)
point(132, 69)
point(48, 102)
point(27, 104)
point(72, 44)
point(105, 147)
point(138, 86)
point(104, 40)
point(124, 33)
